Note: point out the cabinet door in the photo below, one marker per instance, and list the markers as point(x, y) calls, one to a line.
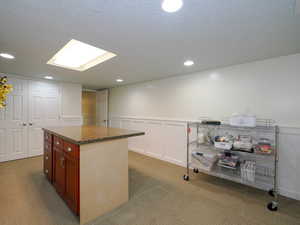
point(59, 172)
point(72, 184)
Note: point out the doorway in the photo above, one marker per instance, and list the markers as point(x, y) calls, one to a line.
point(95, 107)
point(89, 108)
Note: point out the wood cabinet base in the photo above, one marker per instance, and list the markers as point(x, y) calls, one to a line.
point(66, 172)
point(91, 178)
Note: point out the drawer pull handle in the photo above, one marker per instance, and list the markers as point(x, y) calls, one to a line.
point(47, 158)
point(62, 162)
point(57, 143)
point(69, 149)
point(46, 171)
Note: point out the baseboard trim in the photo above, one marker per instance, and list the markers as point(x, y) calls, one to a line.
point(289, 194)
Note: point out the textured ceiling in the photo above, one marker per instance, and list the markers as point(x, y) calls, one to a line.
point(150, 43)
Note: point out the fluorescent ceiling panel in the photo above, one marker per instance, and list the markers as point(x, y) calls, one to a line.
point(79, 56)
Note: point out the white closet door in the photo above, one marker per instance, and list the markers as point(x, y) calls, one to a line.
point(43, 112)
point(13, 118)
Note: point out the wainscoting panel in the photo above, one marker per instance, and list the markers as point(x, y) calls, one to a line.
point(136, 143)
point(175, 145)
point(154, 132)
point(166, 139)
point(289, 161)
point(116, 123)
point(163, 139)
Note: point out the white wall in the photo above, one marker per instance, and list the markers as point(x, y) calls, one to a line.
point(269, 89)
point(71, 100)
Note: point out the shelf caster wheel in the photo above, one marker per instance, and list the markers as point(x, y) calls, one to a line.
point(195, 170)
point(186, 177)
point(272, 206)
point(271, 193)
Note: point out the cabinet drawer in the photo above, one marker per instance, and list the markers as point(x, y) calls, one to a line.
point(71, 150)
point(47, 137)
point(58, 142)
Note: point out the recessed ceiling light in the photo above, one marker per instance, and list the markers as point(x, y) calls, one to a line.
point(171, 5)
point(7, 56)
point(48, 77)
point(188, 63)
point(79, 56)
point(119, 80)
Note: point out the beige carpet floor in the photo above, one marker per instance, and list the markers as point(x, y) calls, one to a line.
point(158, 196)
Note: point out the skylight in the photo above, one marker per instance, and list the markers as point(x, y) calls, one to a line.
point(79, 56)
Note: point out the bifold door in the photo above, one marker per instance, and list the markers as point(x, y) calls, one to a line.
point(30, 106)
point(43, 112)
point(13, 123)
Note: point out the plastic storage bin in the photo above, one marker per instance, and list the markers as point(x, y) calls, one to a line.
point(204, 160)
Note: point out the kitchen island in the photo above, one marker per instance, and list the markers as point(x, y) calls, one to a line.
point(88, 166)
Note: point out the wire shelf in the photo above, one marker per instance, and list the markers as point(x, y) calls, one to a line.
point(261, 182)
point(263, 166)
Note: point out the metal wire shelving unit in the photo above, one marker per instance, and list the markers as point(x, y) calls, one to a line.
point(265, 177)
